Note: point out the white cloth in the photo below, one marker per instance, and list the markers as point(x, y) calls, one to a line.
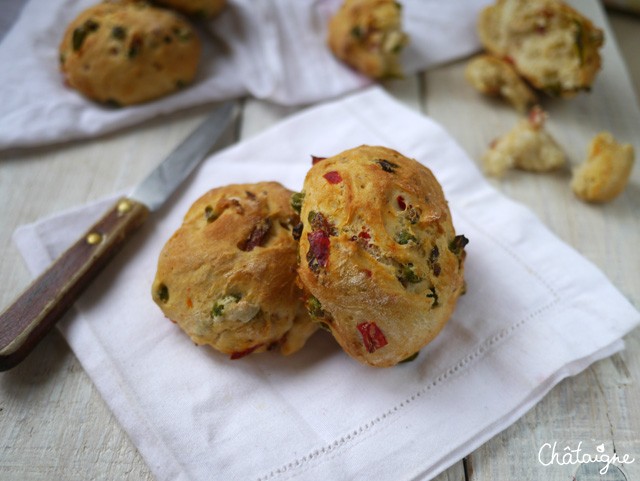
point(269, 49)
point(535, 312)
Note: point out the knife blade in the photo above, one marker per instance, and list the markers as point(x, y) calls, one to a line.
point(32, 315)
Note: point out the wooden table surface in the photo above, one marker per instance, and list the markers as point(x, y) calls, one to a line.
point(55, 425)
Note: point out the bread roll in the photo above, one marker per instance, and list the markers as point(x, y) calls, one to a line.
point(380, 262)
point(124, 53)
point(227, 276)
point(368, 36)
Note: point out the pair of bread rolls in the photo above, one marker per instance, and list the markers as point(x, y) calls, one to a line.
point(367, 250)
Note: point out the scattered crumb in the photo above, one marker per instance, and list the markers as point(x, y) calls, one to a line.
point(605, 172)
point(527, 147)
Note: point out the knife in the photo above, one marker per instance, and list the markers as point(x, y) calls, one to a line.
point(45, 301)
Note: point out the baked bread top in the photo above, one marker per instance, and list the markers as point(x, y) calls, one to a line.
point(368, 36)
point(123, 53)
point(197, 8)
point(380, 261)
point(227, 276)
point(553, 46)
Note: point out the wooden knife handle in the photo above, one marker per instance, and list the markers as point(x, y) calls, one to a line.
point(46, 300)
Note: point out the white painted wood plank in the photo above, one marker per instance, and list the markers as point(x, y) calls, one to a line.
point(454, 473)
point(601, 404)
point(55, 424)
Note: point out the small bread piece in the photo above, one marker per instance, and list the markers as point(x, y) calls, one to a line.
point(368, 36)
point(380, 261)
point(605, 173)
point(124, 53)
point(198, 8)
point(227, 276)
point(527, 146)
point(496, 77)
point(554, 47)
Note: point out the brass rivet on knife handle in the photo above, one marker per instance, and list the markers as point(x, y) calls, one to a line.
point(36, 310)
point(94, 238)
point(124, 206)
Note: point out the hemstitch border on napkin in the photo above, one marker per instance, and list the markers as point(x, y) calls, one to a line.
point(458, 368)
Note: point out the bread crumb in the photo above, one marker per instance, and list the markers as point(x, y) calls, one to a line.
point(605, 173)
point(527, 147)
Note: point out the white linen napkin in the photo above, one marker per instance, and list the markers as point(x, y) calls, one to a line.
point(269, 49)
point(535, 312)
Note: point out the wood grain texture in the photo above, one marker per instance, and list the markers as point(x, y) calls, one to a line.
point(54, 423)
point(32, 315)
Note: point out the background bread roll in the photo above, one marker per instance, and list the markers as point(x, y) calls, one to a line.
point(554, 47)
point(368, 36)
point(124, 53)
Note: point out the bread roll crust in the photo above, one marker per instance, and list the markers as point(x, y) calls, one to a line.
point(198, 8)
point(606, 171)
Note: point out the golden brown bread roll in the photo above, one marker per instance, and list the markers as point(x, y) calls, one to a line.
point(368, 36)
point(124, 53)
point(227, 276)
point(553, 46)
point(380, 261)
